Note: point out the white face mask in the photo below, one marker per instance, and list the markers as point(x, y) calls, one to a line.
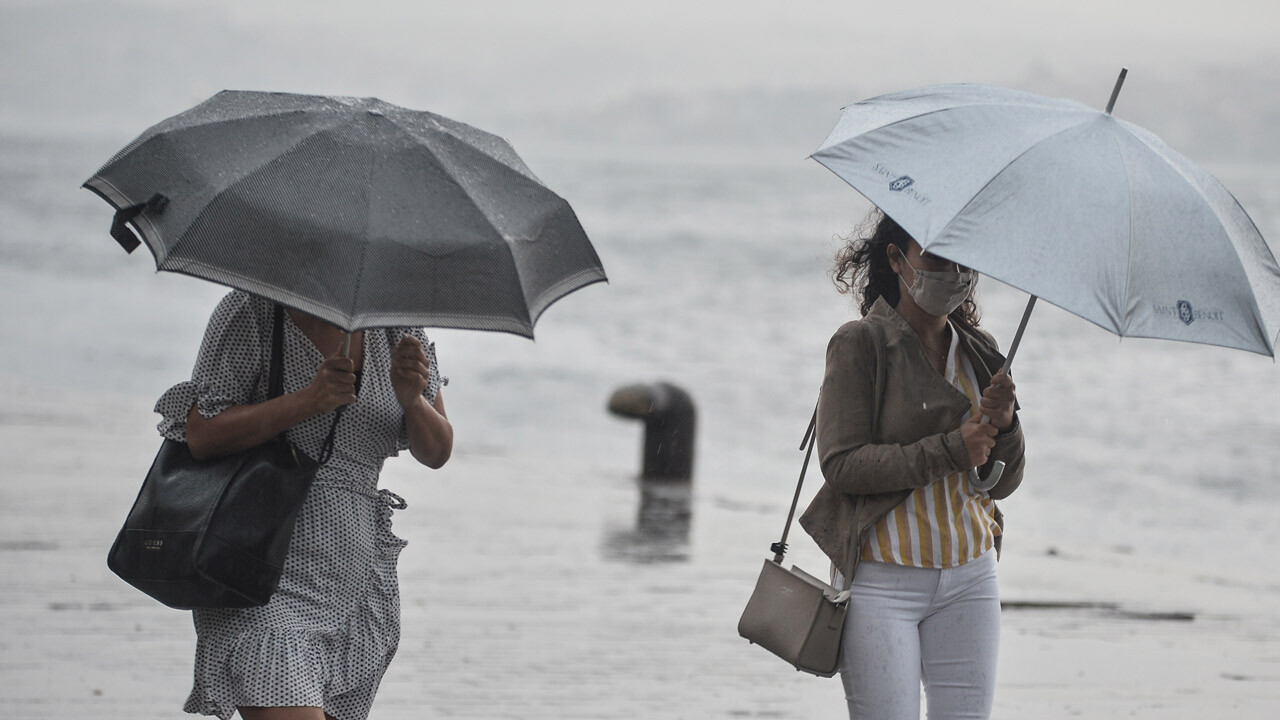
point(939, 293)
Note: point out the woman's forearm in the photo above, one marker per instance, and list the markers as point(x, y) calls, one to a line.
point(246, 426)
point(874, 468)
point(430, 433)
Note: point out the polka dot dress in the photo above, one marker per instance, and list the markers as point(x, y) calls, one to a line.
point(332, 627)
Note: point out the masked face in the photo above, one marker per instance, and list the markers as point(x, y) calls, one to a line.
point(939, 293)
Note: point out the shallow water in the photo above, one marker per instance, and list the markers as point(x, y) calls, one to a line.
point(538, 582)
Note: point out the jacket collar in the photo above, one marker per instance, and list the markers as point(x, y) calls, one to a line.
point(977, 344)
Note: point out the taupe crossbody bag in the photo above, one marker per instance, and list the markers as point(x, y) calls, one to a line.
point(793, 614)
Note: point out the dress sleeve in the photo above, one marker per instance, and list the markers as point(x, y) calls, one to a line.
point(435, 380)
point(227, 371)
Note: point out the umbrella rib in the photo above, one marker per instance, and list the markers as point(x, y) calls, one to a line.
point(364, 250)
point(1128, 188)
point(155, 131)
point(447, 166)
point(446, 129)
point(1004, 169)
point(561, 289)
point(222, 120)
point(1192, 180)
point(1085, 110)
point(466, 190)
point(240, 178)
point(446, 163)
point(1162, 153)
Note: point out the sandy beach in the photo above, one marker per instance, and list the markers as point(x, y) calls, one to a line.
point(556, 608)
point(542, 579)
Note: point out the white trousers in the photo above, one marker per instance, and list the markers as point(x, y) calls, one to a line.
point(911, 625)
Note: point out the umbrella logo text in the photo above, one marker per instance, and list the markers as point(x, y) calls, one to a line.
point(900, 183)
point(1187, 314)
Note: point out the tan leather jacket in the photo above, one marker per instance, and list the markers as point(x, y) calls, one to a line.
point(889, 423)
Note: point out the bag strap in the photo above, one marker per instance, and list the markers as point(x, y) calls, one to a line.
point(275, 378)
point(779, 549)
point(275, 383)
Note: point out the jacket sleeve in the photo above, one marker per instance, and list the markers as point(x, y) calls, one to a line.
point(852, 462)
point(1010, 448)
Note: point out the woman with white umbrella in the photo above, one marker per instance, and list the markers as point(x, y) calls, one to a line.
point(899, 426)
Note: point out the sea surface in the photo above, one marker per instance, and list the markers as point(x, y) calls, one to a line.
point(1161, 453)
point(717, 260)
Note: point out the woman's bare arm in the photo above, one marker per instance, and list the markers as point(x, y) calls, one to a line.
point(245, 426)
point(430, 434)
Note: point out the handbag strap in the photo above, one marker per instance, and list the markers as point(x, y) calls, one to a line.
point(779, 549)
point(275, 383)
point(275, 378)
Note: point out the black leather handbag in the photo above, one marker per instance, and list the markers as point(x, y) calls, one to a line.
point(215, 533)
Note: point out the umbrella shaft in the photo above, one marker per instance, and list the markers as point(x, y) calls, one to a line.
point(1017, 338)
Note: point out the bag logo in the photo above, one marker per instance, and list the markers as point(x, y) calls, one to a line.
point(153, 544)
point(901, 183)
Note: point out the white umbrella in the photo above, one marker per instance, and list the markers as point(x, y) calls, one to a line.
point(1094, 214)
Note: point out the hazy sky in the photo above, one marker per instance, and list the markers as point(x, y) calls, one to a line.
point(125, 63)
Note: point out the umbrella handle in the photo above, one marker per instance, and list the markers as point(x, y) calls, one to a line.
point(997, 468)
point(985, 485)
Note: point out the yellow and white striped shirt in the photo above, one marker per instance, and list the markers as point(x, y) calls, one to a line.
point(945, 523)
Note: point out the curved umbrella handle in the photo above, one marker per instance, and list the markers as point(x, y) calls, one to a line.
point(985, 484)
point(997, 469)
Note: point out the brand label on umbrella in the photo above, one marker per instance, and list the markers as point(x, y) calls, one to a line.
point(900, 183)
point(1186, 313)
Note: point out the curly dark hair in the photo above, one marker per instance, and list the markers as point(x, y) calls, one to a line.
point(862, 267)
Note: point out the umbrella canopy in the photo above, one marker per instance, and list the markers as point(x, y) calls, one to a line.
point(354, 210)
point(1092, 213)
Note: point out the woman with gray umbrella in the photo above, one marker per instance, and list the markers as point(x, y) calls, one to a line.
point(899, 426)
point(363, 217)
point(320, 647)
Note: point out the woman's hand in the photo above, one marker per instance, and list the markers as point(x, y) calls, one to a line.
point(241, 427)
point(430, 434)
point(334, 385)
point(998, 401)
point(410, 369)
point(979, 438)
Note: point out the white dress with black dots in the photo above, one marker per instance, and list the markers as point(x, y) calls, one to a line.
point(332, 627)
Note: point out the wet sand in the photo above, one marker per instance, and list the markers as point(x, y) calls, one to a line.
point(532, 591)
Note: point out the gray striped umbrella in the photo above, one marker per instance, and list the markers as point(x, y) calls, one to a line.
point(354, 210)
